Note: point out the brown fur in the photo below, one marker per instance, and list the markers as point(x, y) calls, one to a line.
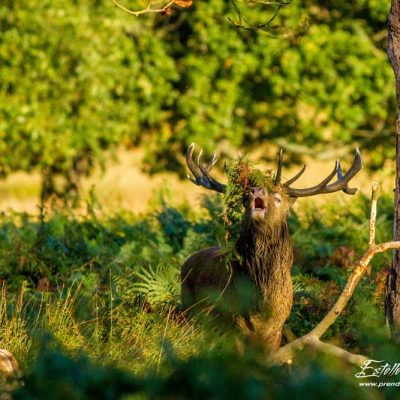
point(264, 263)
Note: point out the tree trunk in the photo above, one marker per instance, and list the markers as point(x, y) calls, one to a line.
point(392, 303)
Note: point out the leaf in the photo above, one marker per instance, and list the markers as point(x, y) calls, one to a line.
point(184, 3)
point(167, 11)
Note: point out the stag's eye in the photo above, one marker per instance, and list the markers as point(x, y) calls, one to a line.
point(278, 199)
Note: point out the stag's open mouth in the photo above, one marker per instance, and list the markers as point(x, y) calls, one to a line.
point(258, 204)
point(258, 211)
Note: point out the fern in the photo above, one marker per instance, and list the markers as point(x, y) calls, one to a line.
point(159, 286)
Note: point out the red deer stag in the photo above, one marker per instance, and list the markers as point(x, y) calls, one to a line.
point(264, 252)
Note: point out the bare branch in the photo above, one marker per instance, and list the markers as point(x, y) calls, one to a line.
point(248, 27)
point(147, 10)
point(265, 2)
point(372, 219)
point(286, 353)
point(336, 351)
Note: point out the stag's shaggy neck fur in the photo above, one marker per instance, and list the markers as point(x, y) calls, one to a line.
point(265, 259)
point(261, 251)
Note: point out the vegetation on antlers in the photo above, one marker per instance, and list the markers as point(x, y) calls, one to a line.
point(242, 174)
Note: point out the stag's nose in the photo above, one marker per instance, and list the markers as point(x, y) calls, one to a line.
point(255, 191)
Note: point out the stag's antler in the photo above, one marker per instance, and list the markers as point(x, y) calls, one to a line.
point(342, 182)
point(201, 171)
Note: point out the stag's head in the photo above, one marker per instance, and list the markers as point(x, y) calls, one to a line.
point(268, 205)
point(264, 206)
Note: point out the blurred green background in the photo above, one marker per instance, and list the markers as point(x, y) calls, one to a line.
point(80, 79)
point(99, 105)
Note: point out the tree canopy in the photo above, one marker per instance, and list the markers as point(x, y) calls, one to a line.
point(79, 77)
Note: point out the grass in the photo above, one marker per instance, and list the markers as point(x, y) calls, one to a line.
point(123, 335)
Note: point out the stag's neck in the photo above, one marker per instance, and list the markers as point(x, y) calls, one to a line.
point(265, 255)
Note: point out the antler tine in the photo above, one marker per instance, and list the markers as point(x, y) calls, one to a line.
point(296, 177)
point(278, 175)
point(315, 189)
point(212, 162)
point(324, 187)
point(199, 157)
point(201, 172)
point(190, 163)
point(343, 180)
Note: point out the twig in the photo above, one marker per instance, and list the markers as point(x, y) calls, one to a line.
point(264, 2)
point(286, 353)
point(146, 10)
point(372, 220)
point(264, 25)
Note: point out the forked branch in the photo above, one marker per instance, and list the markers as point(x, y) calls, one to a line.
point(241, 21)
point(286, 353)
point(160, 8)
point(165, 7)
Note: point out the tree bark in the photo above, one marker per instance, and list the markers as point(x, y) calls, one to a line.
point(392, 303)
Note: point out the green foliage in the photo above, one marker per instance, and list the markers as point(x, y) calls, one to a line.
point(64, 246)
point(214, 374)
point(174, 226)
point(327, 242)
point(81, 77)
point(319, 83)
point(54, 374)
point(111, 295)
point(324, 232)
point(143, 255)
point(160, 286)
point(66, 81)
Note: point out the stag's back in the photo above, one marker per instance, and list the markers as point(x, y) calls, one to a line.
point(205, 276)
